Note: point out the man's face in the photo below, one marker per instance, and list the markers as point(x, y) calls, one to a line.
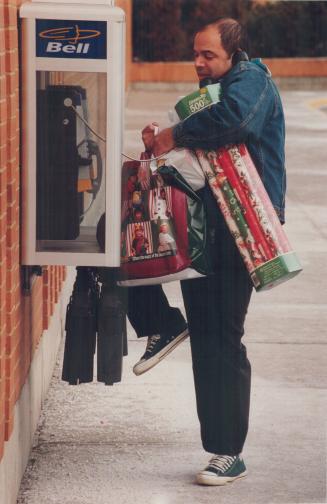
point(210, 58)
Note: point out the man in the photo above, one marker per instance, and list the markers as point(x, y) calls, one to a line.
point(250, 111)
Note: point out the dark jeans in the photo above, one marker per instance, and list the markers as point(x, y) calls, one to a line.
point(149, 312)
point(216, 307)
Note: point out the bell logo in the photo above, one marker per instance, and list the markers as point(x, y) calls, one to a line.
point(57, 38)
point(56, 47)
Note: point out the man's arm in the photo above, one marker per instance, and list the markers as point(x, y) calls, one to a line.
point(247, 101)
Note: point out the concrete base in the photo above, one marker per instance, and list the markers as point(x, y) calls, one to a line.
point(28, 407)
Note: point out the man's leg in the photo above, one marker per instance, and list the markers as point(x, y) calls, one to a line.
point(216, 307)
point(151, 315)
point(149, 311)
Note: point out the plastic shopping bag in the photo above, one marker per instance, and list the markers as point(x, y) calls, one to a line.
point(163, 234)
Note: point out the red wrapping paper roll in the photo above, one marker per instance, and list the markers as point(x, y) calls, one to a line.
point(278, 261)
point(249, 214)
point(257, 185)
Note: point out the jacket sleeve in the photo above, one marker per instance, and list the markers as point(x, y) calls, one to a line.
point(247, 101)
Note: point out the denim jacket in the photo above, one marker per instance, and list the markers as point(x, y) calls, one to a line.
point(250, 111)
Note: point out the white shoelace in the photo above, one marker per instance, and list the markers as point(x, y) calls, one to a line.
point(222, 462)
point(152, 340)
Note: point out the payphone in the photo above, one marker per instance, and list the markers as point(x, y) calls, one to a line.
point(72, 122)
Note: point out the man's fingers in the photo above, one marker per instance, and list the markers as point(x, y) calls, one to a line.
point(150, 128)
point(148, 134)
point(163, 142)
point(148, 140)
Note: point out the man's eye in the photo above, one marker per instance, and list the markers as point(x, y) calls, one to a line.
point(209, 56)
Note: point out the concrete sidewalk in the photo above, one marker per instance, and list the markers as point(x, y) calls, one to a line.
point(138, 442)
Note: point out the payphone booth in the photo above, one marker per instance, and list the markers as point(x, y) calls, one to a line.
point(72, 124)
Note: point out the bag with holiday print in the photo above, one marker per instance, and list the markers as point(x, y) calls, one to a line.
point(163, 234)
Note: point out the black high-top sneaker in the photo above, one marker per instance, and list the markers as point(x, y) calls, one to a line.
point(158, 346)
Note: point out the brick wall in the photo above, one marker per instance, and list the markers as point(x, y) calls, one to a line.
point(22, 318)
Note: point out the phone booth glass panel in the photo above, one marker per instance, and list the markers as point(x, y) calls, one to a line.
point(71, 154)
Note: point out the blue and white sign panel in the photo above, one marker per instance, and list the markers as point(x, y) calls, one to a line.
point(71, 39)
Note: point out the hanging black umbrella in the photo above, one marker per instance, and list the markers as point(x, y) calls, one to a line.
point(112, 334)
point(81, 318)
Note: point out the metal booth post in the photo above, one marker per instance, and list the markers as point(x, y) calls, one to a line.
point(73, 77)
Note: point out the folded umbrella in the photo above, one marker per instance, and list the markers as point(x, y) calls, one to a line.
point(81, 329)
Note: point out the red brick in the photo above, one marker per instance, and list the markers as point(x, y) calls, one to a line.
point(46, 275)
point(13, 296)
point(11, 36)
point(13, 210)
point(15, 338)
point(12, 234)
point(3, 339)
point(3, 282)
point(3, 202)
point(46, 316)
point(2, 63)
point(13, 319)
point(12, 83)
point(10, 400)
point(2, 246)
point(2, 41)
point(3, 132)
point(13, 256)
point(13, 98)
point(3, 156)
point(3, 110)
point(13, 278)
point(13, 188)
point(11, 59)
point(12, 168)
point(2, 15)
point(2, 435)
point(3, 179)
point(9, 426)
point(3, 224)
point(3, 82)
point(11, 15)
point(10, 364)
point(12, 133)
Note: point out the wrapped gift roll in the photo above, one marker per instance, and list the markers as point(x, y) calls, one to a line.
point(251, 179)
point(241, 194)
point(249, 215)
point(225, 208)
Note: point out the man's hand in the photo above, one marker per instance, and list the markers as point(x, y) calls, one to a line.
point(163, 142)
point(148, 136)
point(157, 144)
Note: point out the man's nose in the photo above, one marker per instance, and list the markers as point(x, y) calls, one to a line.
point(199, 62)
